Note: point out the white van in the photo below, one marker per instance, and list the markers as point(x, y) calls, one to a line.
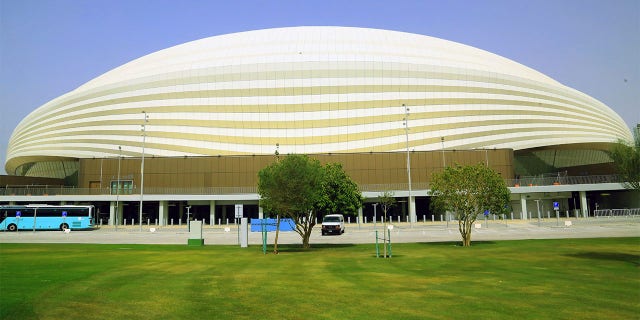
point(333, 223)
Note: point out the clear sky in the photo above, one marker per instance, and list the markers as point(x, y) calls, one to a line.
point(50, 47)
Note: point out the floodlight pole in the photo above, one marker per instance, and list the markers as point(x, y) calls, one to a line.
point(144, 136)
point(375, 216)
point(538, 207)
point(118, 189)
point(444, 161)
point(188, 219)
point(406, 133)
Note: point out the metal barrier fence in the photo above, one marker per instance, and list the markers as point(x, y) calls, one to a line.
point(617, 212)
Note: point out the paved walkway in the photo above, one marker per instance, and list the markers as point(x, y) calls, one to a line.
point(403, 232)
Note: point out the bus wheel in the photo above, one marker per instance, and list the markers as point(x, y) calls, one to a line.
point(64, 226)
point(12, 227)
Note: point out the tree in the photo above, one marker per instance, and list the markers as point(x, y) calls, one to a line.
point(340, 194)
point(626, 159)
point(386, 202)
point(299, 188)
point(290, 188)
point(468, 191)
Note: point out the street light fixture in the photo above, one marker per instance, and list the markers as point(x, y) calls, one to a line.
point(144, 136)
point(444, 162)
point(118, 189)
point(406, 133)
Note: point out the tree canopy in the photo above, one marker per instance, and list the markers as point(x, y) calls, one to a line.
point(469, 191)
point(626, 158)
point(300, 188)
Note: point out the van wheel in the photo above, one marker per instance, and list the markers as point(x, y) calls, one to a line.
point(64, 226)
point(12, 227)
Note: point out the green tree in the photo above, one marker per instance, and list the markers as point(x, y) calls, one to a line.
point(386, 202)
point(299, 188)
point(340, 194)
point(468, 191)
point(290, 188)
point(626, 158)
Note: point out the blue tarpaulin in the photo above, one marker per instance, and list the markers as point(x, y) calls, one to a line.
point(270, 225)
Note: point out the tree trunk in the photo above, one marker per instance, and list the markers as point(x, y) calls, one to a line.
point(275, 242)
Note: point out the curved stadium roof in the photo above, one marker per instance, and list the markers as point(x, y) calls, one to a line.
point(312, 90)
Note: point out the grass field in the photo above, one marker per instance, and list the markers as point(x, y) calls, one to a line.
point(532, 279)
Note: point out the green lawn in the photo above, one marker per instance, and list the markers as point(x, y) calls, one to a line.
point(533, 279)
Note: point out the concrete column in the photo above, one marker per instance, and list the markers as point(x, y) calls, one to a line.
point(163, 213)
point(260, 213)
point(583, 204)
point(412, 209)
point(112, 213)
point(212, 212)
point(523, 205)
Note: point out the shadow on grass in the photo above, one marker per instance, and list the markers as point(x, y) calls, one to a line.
point(314, 247)
point(634, 259)
point(457, 243)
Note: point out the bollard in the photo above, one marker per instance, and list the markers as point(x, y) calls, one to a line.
point(180, 222)
point(172, 221)
point(441, 218)
point(227, 221)
point(398, 219)
point(148, 222)
point(348, 219)
point(548, 215)
point(365, 219)
point(433, 218)
point(219, 221)
point(511, 216)
point(424, 218)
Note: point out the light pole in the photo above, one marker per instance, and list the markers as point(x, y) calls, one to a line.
point(144, 137)
point(188, 219)
point(444, 162)
point(118, 189)
point(406, 133)
point(375, 216)
point(538, 207)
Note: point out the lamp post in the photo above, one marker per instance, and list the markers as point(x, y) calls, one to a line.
point(406, 133)
point(188, 219)
point(375, 217)
point(144, 136)
point(444, 162)
point(118, 189)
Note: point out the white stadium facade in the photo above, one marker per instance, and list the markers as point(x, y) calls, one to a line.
point(205, 116)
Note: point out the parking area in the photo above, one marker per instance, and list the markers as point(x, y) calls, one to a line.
point(365, 233)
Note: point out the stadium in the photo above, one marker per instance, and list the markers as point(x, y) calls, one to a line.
point(190, 126)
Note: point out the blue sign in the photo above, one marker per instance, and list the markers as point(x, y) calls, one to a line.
point(556, 205)
point(64, 213)
point(270, 225)
point(486, 213)
point(18, 214)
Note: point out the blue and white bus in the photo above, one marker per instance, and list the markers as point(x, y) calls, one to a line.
point(46, 217)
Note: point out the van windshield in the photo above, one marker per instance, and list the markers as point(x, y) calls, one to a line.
point(331, 219)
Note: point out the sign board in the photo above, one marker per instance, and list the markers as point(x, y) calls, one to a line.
point(270, 225)
point(486, 213)
point(239, 211)
point(18, 214)
point(64, 213)
point(556, 205)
